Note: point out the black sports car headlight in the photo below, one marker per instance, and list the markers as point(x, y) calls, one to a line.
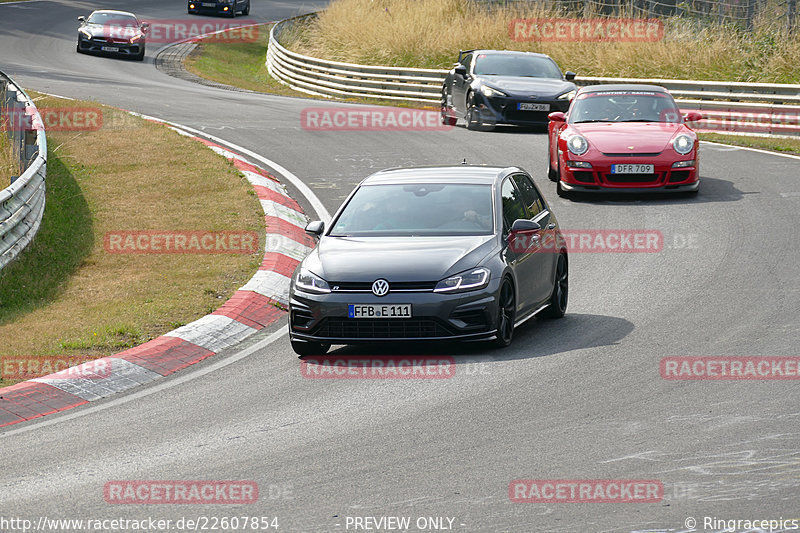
point(309, 282)
point(490, 92)
point(85, 33)
point(469, 280)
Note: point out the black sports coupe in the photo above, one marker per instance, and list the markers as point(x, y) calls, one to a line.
point(112, 32)
point(219, 7)
point(489, 87)
point(430, 254)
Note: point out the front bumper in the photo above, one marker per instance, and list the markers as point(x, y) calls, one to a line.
point(217, 9)
point(504, 110)
point(102, 47)
point(435, 317)
point(600, 179)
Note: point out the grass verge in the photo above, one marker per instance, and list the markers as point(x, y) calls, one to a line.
point(66, 296)
point(789, 146)
point(8, 163)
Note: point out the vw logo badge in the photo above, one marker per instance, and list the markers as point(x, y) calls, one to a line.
point(380, 287)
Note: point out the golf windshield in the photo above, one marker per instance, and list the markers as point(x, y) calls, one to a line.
point(520, 66)
point(424, 209)
point(624, 106)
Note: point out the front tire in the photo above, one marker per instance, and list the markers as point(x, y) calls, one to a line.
point(506, 314)
point(473, 117)
point(246, 10)
point(309, 348)
point(140, 56)
point(447, 120)
point(560, 295)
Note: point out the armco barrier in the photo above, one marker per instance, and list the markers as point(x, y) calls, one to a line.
point(21, 203)
point(729, 107)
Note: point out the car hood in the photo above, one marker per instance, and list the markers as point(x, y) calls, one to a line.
point(517, 86)
point(118, 31)
point(397, 259)
point(644, 137)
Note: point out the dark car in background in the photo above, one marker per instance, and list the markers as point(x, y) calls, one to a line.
point(219, 7)
point(111, 32)
point(489, 87)
point(430, 254)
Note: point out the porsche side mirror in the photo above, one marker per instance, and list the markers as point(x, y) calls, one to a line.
point(145, 26)
point(569, 75)
point(692, 116)
point(315, 228)
point(81, 19)
point(557, 116)
point(461, 70)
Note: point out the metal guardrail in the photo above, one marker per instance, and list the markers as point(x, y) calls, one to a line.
point(727, 107)
point(21, 203)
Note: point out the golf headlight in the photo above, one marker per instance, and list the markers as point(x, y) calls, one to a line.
point(683, 144)
point(309, 282)
point(470, 280)
point(568, 96)
point(577, 145)
point(491, 91)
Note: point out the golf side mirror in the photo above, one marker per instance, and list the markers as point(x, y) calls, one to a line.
point(315, 228)
point(557, 116)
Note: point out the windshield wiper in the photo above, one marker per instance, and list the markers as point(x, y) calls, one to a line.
point(586, 121)
point(638, 120)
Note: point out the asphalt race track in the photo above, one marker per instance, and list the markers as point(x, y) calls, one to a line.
point(579, 398)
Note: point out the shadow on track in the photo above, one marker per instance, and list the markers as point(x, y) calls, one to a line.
point(535, 338)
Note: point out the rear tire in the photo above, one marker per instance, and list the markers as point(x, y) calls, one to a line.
point(309, 348)
point(506, 314)
point(560, 295)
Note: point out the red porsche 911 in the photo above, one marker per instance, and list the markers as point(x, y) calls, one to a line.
point(623, 138)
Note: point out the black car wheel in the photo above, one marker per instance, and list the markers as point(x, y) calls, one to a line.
point(552, 173)
point(140, 55)
point(309, 348)
point(506, 314)
point(78, 48)
point(246, 10)
point(473, 115)
point(447, 120)
point(560, 295)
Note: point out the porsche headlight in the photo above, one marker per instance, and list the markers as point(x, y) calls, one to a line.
point(577, 144)
point(491, 91)
point(683, 144)
point(470, 280)
point(135, 38)
point(85, 33)
point(568, 96)
point(309, 282)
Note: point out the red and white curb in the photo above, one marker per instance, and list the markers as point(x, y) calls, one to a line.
point(254, 306)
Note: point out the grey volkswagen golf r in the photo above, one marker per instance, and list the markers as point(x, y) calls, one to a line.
point(430, 254)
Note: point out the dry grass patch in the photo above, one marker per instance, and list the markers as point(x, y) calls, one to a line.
point(429, 33)
point(67, 296)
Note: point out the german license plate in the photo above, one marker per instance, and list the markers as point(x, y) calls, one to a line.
point(631, 168)
point(110, 49)
point(379, 311)
point(527, 106)
point(209, 4)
